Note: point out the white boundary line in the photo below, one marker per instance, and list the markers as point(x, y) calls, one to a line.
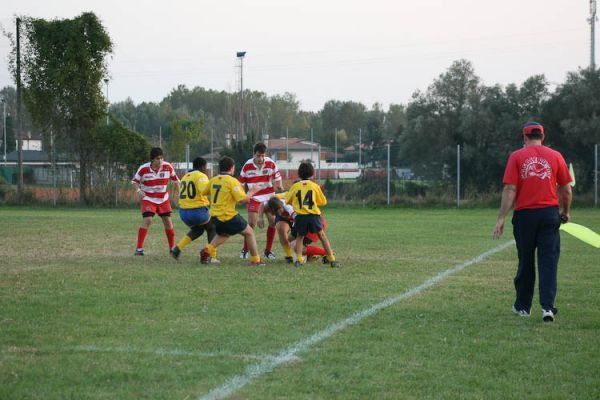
point(252, 372)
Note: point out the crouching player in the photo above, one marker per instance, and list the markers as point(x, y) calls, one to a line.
point(284, 219)
point(306, 197)
point(193, 207)
point(225, 191)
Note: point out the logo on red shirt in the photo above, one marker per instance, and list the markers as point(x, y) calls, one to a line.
point(536, 166)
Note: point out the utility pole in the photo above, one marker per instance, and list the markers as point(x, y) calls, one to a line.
point(19, 116)
point(389, 173)
point(107, 102)
point(359, 148)
point(4, 125)
point(592, 20)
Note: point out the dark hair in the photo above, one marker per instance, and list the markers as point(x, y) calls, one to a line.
point(274, 204)
point(155, 152)
point(535, 134)
point(199, 164)
point(260, 148)
point(225, 164)
point(305, 170)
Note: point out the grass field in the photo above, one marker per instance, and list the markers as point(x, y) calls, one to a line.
point(81, 318)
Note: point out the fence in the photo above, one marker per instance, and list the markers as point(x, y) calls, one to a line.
point(377, 182)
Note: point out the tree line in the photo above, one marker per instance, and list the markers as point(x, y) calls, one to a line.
point(64, 65)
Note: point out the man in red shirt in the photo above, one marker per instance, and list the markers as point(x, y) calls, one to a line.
point(530, 181)
point(260, 174)
point(151, 182)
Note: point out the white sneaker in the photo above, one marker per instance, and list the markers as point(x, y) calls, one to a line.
point(244, 255)
point(269, 255)
point(522, 313)
point(548, 315)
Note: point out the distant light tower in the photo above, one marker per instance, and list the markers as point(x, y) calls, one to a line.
point(592, 20)
point(240, 55)
point(107, 103)
point(3, 100)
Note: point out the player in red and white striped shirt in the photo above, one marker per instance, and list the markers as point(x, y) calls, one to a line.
point(260, 173)
point(151, 182)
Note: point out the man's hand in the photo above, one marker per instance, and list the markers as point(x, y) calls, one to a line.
point(499, 228)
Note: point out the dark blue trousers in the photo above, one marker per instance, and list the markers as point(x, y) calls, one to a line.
point(536, 228)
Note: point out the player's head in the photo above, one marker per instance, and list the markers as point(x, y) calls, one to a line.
point(274, 206)
point(226, 165)
point(533, 130)
point(306, 170)
point(156, 156)
point(199, 164)
point(260, 149)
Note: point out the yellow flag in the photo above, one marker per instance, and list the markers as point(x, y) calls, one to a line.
point(572, 173)
point(582, 233)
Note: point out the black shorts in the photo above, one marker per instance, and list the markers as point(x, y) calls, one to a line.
point(304, 224)
point(231, 227)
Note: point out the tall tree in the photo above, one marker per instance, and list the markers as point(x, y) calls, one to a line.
point(63, 67)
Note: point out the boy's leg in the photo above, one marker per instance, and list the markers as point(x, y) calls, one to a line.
point(169, 231)
point(299, 248)
point(282, 231)
point(250, 240)
point(142, 233)
point(328, 249)
point(271, 230)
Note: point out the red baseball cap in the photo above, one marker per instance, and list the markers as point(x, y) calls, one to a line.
point(529, 127)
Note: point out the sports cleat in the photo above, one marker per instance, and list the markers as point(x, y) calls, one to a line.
point(335, 264)
point(260, 263)
point(214, 261)
point(313, 258)
point(244, 254)
point(139, 252)
point(548, 315)
point(269, 255)
point(325, 260)
point(204, 257)
point(298, 264)
point(289, 260)
point(175, 252)
point(522, 313)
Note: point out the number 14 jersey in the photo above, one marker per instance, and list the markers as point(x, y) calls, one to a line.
point(306, 197)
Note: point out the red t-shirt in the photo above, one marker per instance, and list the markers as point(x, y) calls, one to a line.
point(535, 171)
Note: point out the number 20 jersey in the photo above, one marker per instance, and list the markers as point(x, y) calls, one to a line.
point(192, 185)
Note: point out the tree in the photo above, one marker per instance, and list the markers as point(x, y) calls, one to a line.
point(572, 122)
point(63, 67)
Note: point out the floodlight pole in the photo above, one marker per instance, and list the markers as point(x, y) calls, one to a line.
point(311, 145)
point(287, 157)
point(335, 153)
point(592, 20)
point(240, 55)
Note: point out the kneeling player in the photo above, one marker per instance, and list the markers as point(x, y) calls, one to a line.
point(225, 191)
point(193, 207)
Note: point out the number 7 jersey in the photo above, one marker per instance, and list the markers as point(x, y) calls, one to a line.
point(225, 191)
point(306, 197)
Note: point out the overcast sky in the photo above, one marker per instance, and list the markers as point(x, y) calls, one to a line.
point(366, 51)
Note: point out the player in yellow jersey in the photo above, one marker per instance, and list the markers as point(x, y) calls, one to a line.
point(225, 191)
point(193, 207)
point(306, 197)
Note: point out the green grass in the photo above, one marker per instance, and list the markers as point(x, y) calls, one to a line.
point(81, 318)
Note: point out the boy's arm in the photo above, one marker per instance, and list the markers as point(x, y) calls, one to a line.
point(321, 199)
